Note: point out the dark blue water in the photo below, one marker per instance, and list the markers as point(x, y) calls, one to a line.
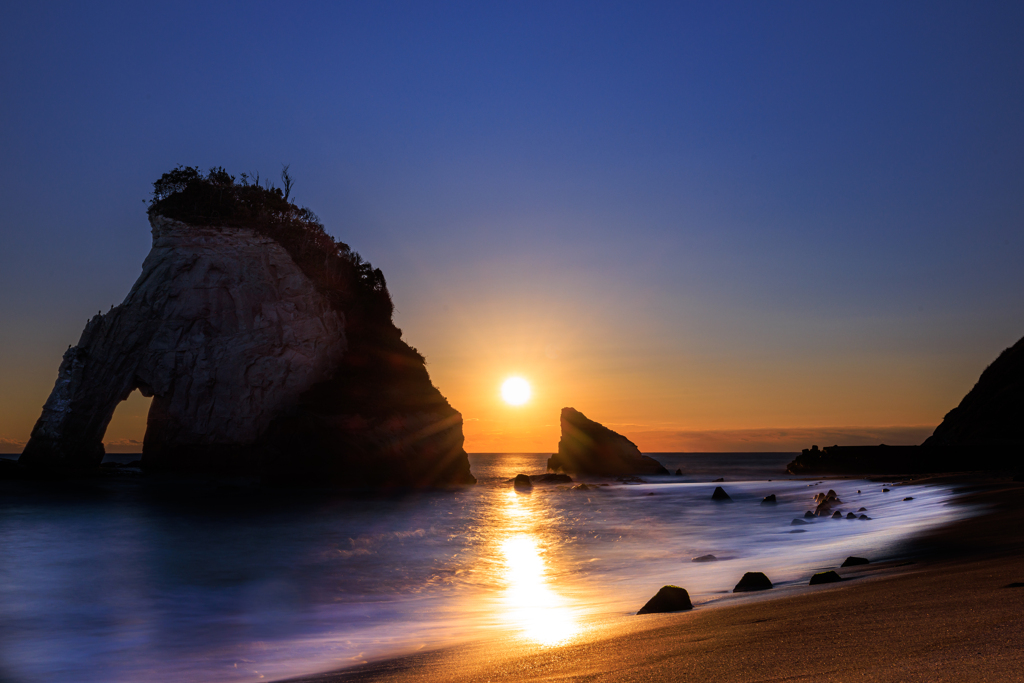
point(120, 582)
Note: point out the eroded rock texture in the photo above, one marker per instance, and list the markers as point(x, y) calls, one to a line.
point(588, 447)
point(251, 370)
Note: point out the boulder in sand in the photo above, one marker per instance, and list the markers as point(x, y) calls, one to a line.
point(824, 577)
point(668, 599)
point(752, 581)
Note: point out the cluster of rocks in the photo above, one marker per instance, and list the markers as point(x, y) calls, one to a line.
point(675, 599)
point(824, 504)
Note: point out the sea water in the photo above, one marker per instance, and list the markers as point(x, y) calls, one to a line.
point(116, 582)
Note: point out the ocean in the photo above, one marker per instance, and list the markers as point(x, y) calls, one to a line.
point(121, 581)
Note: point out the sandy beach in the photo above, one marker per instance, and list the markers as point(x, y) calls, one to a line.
point(948, 607)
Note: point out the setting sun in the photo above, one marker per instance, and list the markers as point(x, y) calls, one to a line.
point(515, 391)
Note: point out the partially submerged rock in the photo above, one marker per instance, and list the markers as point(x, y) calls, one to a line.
point(752, 581)
point(550, 478)
point(852, 561)
point(668, 599)
point(720, 494)
point(704, 558)
point(825, 577)
point(522, 482)
point(798, 522)
point(768, 499)
point(590, 448)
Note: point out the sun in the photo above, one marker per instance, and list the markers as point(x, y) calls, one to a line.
point(515, 391)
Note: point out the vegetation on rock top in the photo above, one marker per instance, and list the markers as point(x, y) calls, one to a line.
point(380, 373)
point(351, 284)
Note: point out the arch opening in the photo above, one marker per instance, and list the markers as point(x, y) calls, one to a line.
point(123, 439)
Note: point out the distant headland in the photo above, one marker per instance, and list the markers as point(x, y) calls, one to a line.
point(984, 432)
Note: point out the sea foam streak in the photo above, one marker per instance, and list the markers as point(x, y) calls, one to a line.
point(119, 587)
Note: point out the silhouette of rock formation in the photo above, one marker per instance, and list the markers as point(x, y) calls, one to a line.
point(992, 413)
point(252, 369)
point(590, 448)
point(986, 431)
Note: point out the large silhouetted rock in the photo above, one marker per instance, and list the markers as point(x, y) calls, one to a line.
point(991, 415)
point(252, 368)
point(986, 431)
point(590, 448)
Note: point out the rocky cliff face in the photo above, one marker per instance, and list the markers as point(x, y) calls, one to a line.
point(992, 413)
point(246, 360)
point(984, 432)
point(590, 448)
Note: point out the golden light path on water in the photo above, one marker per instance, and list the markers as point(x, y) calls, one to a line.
point(531, 604)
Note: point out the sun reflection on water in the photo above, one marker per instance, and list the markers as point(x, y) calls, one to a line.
point(541, 614)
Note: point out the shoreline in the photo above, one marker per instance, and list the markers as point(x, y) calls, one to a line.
point(939, 610)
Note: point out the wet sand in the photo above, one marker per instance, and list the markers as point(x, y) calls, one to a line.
point(945, 609)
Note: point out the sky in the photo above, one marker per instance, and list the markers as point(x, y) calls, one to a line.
point(752, 226)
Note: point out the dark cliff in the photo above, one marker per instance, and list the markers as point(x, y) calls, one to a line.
point(268, 348)
point(984, 432)
point(992, 413)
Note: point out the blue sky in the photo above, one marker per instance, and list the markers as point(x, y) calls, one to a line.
point(679, 219)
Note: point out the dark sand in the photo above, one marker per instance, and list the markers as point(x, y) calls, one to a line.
point(944, 612)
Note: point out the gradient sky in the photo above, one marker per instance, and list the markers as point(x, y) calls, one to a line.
point(752, 227)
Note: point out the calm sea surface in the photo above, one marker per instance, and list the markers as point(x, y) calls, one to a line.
point(121, 583)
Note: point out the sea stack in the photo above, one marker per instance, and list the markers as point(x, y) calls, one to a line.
point(268, 348)
point(590, 448)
